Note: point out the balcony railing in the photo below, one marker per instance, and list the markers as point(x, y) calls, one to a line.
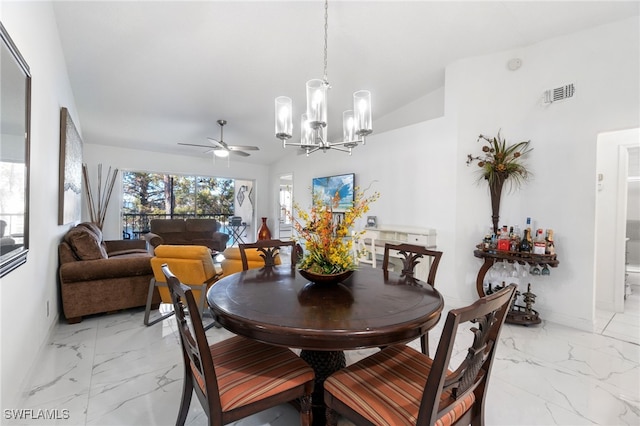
point(14, 226)
point(134, 225)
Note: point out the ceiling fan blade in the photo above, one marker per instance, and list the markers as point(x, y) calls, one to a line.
point(217, 143)
point(193, 144)
point(240, 153)
point(242, 148)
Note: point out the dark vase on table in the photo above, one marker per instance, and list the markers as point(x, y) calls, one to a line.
point(264, 233)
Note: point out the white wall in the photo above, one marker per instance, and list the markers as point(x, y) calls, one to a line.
point(603, 63)
point(25, 292)
point(424, 181)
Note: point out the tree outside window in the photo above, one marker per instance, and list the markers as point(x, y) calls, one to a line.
point(154, 195)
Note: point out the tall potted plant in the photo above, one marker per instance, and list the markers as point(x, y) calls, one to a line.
point(499, 164)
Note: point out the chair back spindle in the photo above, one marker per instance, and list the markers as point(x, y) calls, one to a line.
point(269, 250)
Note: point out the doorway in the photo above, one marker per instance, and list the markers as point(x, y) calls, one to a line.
point(285, 203)
point(617, 215)
point(632, 249)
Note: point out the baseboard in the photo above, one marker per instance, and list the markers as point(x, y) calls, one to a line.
point(33, 369)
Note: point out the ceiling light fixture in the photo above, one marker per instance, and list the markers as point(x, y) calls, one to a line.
point(356, 123)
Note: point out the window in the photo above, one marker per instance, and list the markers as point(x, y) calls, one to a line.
point(155, 195)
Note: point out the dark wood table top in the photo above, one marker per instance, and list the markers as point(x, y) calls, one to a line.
point(279, 306)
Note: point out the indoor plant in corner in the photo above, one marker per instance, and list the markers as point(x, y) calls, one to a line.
point(501, 163)
point(328, 244)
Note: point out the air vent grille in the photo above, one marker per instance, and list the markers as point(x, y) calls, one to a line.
point(559, 93)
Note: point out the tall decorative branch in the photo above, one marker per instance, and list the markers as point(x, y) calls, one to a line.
point(98, 212)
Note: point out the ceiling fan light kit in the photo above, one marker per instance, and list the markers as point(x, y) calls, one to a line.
point(356, 123)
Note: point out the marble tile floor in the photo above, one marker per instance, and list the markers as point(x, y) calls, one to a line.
point(113, 370)
point(622, 325)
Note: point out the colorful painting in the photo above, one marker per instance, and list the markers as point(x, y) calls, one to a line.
point(70, 197)
point(326, 187)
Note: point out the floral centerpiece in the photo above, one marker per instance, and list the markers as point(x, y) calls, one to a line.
point(327, 240)
point(500, 163)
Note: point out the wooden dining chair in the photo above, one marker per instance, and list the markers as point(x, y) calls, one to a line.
point(236, 377)
point(401, 386)
point(412, 255)
point(269, 250)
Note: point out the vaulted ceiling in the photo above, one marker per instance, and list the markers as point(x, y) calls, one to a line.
point(150, 74)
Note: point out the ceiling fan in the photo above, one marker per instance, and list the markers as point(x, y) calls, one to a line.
point(221, 149)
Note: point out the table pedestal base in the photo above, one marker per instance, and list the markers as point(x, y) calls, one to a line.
point(324, 364)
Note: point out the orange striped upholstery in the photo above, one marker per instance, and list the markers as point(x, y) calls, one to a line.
point(386, 388)
point(248, 371)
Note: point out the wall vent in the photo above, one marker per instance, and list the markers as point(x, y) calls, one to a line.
point(559, 93)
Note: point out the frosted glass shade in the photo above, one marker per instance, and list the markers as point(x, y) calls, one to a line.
point(362, 112)
point(284, 120)
point(317, 103)
point(348, 126)
point(306, 132)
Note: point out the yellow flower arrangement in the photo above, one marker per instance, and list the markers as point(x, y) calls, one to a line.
point(328, 245)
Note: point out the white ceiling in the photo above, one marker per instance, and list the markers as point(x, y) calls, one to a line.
point(150, 74)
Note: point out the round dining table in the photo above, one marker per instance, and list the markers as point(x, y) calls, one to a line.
point(371, 308)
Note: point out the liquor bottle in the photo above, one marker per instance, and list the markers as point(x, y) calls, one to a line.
point(550, 249)
point(503, 239)
point(539, 245)
point(525, 245)
point(494, 239)
point(517, 235)
point(486, 242)
point(530, 225)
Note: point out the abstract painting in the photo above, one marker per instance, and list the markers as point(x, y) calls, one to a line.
point(325, 188)
point(70, 196)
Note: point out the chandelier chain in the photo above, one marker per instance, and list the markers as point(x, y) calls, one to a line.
point(326, 31)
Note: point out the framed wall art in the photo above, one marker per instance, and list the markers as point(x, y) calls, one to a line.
point(70, 196)
point(327, 187)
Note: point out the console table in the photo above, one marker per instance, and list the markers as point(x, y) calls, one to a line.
point(376, 238)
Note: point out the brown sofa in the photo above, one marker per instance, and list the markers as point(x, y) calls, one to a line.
point(196, 232)
point(99, 276)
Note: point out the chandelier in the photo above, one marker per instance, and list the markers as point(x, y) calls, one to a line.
point(356, 123)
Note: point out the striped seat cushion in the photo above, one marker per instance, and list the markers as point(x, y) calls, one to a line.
point(386, 388)
point(248, 371)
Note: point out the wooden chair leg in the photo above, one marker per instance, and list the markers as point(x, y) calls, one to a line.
point(185, 401)
point(306, 413)
point(331, 417)
point(424, 343)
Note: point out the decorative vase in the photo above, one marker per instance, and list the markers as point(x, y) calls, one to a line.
point(325, 278)
point(495, 189)
point(264, 233)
